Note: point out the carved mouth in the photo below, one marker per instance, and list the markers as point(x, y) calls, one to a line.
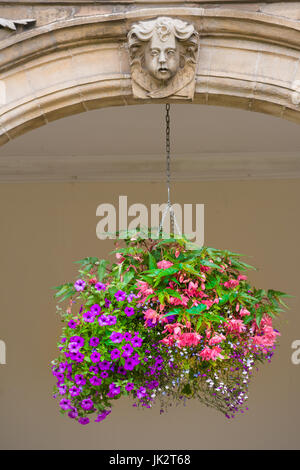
point(163, 69)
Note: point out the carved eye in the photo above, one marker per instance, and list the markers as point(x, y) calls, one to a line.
point(154, 52)
point(171, 52)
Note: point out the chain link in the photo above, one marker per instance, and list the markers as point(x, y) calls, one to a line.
point(169, 207)
point(168, 150)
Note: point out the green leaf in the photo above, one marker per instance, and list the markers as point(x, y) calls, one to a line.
point(197, 309)
point(102, 269)
point(128, 276)
point(152, 262)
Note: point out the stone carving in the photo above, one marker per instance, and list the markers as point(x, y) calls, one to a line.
point(163, 54)
point(296, 93)
point(11, 24)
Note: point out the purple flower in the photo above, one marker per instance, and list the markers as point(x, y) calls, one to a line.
point(120, 295)
point(115, 354)
point(95, 380)
point(95, 357)
point(141, 392)
point(116, 337)
point(112, 320)
point(95, 309)
point(113, 390)
point(79, 379)
point(94, 369)
point(79, 285)
point(104, 365)
point(79, 357)
point(73, 347)
point(100, 286)
point(102, 416)
point(77, 339)
point(129, 386)
point(85, 420)
point(72, 324)
point(103, 320)
point(127, 336)
point(136, 342)
point(88, 317)
point(87, 404)
point(62, 389)
point(74, 391)
point(128, 350)
point(171, 318)
point(73, 413)
point(121, 370)
point(107, 303)
point(94, 341)
point(104, 374)
point(65, 404)
point(130, 297)
point(130, 363)
point(129, 311)
point(62, 366)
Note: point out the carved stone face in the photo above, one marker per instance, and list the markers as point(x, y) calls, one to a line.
point(162, 57)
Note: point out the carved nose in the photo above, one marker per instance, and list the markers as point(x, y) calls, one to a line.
point(162, 58)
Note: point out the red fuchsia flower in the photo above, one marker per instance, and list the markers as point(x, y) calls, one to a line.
point(175, 301)
point(120, 258)
point(208, 354)
point(216, 339)
point(93, 280)
point(244, 312)
point(151, 315)
point(188, 339)
point(164, 264)
point(144, 289)
point(231, 284)
point(177, 253)
point(267, 340)
point(235, 326)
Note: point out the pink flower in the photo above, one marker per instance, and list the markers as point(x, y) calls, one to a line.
point(216, 339)
point(231, 283)
point(208, 354)
point(188, 339)
point(177, 253)
point(151, 315)
point(242, 278)
point(175, 301)
point(164, 264)
point(235, 326)
point(144, 288)
point(244, 312)
point(120, 258)
point(267, 340)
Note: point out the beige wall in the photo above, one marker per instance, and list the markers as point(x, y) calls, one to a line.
point(45, 227)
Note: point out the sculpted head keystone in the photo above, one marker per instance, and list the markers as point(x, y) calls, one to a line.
point(161, 50)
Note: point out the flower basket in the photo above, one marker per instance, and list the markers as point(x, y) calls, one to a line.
point(164, 323)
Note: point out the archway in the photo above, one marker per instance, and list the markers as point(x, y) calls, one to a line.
point(247, 59)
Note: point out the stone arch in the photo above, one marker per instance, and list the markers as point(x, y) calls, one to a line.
point(247, 59)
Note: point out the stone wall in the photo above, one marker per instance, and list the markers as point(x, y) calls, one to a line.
point(74, 57)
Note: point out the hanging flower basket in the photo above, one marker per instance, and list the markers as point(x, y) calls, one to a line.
point(164, 323)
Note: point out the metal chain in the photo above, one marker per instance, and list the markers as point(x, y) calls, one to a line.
point(168, 150)
point(169, 207)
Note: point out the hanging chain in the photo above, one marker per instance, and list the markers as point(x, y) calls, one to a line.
point(169, 207)
point(168, 149)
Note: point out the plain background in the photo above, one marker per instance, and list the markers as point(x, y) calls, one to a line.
point(45, 227)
